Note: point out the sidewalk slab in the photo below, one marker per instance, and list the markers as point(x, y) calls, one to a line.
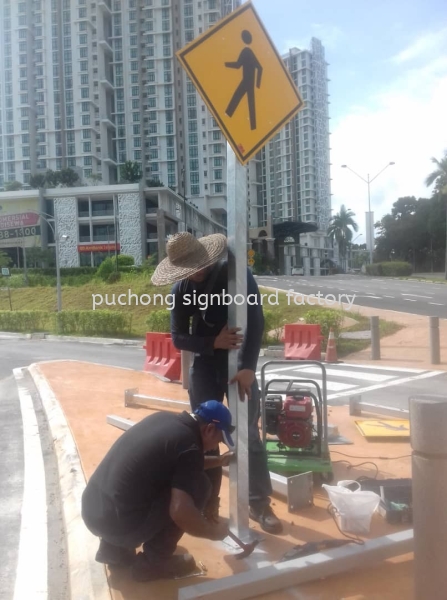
point(409, 347)
point(87, 393)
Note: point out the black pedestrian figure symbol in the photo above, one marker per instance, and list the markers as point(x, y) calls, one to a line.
point(251, 71)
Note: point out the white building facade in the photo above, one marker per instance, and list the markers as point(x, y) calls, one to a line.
point(295, 169)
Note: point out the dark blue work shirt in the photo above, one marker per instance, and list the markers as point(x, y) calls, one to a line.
point(210, 322)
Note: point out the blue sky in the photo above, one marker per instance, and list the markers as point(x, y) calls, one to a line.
point(388, 89)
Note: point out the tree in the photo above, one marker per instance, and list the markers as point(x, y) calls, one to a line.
point(37, 181)
point(439, 178)
point(13, 186)
point(340, 230)
point(95, 178)
point(4, 259)
point(130, 172)
point(155, 183)
point(68, 178)
point(40, 257)
point(414, 231)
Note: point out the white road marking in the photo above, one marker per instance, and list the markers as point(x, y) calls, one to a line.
point(377, 368)
point(32, 565)
point(409, 300)
point(334, 386)
point(380, 386)
point(416, 296)
point(436, 304)
point(388, 296)
point(375, 297)
point(349, 374)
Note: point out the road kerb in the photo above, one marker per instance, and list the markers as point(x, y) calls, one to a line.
point(87, 577)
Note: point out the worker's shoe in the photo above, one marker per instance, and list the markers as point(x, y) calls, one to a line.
point(211, 510)
point(264, 515)
point(147, 569)
point(114, 556)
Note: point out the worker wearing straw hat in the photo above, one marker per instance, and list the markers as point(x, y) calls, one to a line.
point(199, 271)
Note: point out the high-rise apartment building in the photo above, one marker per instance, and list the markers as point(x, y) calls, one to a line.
point(89, 85)
point(295, 165)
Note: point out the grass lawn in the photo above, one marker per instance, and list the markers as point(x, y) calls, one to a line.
point(81, 298)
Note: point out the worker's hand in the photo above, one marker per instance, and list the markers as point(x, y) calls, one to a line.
point(226, 458)
point(229, 339)
point(244, 379)
point(218, 531)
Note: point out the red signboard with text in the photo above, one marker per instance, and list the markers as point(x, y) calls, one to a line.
point(98, 247)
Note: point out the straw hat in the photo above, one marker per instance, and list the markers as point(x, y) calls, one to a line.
point(188, 255)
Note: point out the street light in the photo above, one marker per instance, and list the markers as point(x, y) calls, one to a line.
point(369, 226)
point(56, 240)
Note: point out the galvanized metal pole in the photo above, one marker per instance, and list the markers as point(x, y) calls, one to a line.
point(375, 338)
point(435, 349)
point(237, 317)
point(186, 363)
point(428, 424)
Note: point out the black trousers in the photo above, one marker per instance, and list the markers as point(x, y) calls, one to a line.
point(208, 381)
point(157, 533)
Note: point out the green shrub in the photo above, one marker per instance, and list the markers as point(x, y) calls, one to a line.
point(396, 269)
point(65, 271)
point(389, 269)
point(159, 321)
point(273, 321)
point(132, 269)
point(124, 260)
point(106, 268)
point(93, 322)
point(14, 281)
point(375, 269)
point(326, 319)
point(114, 277)
point(25, 320)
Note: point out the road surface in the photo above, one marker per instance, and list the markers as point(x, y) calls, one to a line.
point(415, 297)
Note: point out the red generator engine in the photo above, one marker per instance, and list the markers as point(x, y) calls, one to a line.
point(291, 420)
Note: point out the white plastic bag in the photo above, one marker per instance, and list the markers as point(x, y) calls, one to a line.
point(354, 509)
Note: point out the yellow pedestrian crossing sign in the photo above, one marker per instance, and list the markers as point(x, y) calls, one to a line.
point(243, 80)
point(251, 253)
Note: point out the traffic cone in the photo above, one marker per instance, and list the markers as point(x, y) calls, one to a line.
point(331, 350)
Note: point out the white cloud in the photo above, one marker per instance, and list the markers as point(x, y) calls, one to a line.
point(425, 44)
point(405, 122)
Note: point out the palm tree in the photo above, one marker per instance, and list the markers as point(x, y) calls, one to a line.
point(439, 178)
point(340, 230)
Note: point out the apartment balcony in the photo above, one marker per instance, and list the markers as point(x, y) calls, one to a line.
point(105, 6)
point(109, 121)
point(111, 160)
point(105, 45)
point(103, 80)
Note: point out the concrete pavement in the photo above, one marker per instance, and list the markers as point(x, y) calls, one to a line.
point(87, 393)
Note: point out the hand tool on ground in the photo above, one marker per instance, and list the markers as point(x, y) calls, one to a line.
point(203, 571)
point(247, 548)
point(312, 548)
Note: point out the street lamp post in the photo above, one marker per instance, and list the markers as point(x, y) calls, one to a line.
point(369, 225)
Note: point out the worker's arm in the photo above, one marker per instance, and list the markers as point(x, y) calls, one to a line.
point(251, 346)
point(211, 462)
point(189, 519)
